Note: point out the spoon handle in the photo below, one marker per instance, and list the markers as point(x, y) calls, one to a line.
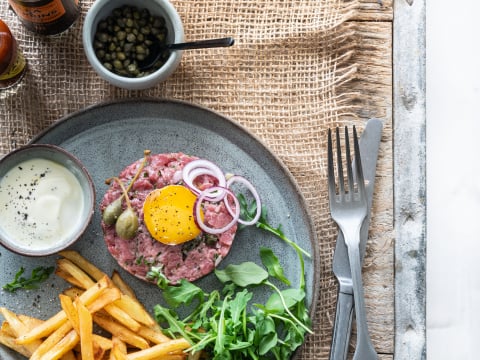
point(201, 44)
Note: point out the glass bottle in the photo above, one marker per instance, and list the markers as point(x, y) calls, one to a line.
point(46, 17)
point(12, 61)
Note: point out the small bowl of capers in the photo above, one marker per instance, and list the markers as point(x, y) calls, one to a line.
point(118, 36)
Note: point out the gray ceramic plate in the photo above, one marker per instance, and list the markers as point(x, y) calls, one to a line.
point(109, 136)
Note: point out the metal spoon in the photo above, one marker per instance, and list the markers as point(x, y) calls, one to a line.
point(157, 49)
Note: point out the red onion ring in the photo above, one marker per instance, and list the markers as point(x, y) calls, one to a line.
point(193, 174)
point(253, 191)
point(204, 196)
point(199, 167)
point(217, 193)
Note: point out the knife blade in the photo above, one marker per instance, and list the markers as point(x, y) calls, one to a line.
point(369, 143)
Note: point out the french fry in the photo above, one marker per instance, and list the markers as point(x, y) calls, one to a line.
point(119, 349)
point(43, 330)
point(29, 321)
point(51, 341)
point(122, 317)
point(70, 310)
point(18, 327)
point(136, 310)
point(73, 292)
point(120, 331)
point(102, 342)
point(153, 335)
point(91, 347)
point(99, 353)
point(61, 273)
point(86, 330)
point(69, 356)
point(66, 344)
point(9, 341)
point(53, 323)
point(83, 280)
point(83, 264)
point(7, 330)
point(159, 350)
point(122, 285)
point(109, 296)
point(68, 335)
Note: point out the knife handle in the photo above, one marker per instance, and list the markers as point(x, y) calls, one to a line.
point(343, 327)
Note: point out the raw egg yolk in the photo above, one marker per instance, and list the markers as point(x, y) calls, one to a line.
point(168, 214)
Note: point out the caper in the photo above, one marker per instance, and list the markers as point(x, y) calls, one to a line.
point(121, 22)
point(121, 35)
point(132, 68)
point(117, 64)
point(126, 35)
point(97, 44)
point(112, 212)
point(140, 49)
point(131, 37)
point(129, 23)
point(127, 224)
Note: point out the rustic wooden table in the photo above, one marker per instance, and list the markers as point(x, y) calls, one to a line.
point(389, 58)
point(391, 79)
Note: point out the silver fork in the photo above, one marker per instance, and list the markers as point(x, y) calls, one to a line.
point(348, 208)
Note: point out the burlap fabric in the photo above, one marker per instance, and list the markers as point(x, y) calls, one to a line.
point(281, 80)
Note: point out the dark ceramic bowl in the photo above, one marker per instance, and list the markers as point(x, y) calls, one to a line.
point(102, 9)
point(48, 200)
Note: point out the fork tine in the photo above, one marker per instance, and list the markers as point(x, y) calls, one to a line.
point(341, 183)
point(358, 164)
point(349, 163)
point(331, 173)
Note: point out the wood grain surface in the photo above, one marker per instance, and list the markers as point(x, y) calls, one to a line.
point(373, 25)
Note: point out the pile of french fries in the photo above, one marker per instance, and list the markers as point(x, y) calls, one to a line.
point(93, 298)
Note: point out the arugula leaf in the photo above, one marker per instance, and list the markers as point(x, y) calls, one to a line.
point(273, 265)
point(245, 274)
point(290, 296)
point(183, 293)
point(38, 275)
point(249, 211)
point(223, 325)
point(266, 334)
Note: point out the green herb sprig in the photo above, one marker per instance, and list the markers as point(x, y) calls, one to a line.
point(222, 323)
point(38, 275)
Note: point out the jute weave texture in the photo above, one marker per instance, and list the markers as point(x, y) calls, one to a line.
point(283, 80)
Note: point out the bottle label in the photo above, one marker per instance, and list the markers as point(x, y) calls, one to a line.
point(15, 68)
point(40, 14)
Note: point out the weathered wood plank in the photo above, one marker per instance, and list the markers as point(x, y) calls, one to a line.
point(374, 10)
point(373, 86)
point(410, 185)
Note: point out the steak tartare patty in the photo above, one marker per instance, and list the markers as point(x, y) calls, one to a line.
point(190, 260)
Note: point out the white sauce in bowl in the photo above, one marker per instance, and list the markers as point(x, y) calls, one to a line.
point(41, 203)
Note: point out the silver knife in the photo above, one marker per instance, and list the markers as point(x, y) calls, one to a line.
point(369, 144)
